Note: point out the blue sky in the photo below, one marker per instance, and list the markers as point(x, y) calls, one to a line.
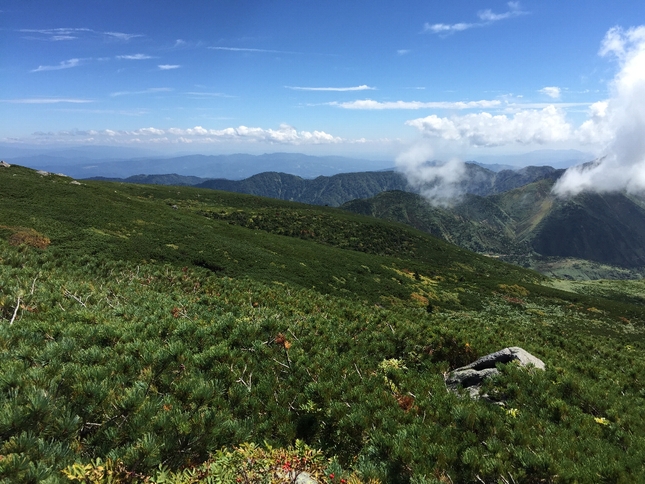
point(360, 78)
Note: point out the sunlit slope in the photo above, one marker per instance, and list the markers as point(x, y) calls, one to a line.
point(236, 235)
point(154, 336)
point(604, 228)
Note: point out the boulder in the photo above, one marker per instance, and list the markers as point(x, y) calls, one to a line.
point(471, 376)
point(4, 164)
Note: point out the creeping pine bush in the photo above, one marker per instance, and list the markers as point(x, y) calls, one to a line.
point(158, 344)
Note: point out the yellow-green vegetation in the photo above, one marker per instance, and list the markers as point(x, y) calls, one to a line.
point(245, 464)
point(163, 344)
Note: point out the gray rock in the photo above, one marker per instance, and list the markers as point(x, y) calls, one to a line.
point(472, 376)
point(305, 478)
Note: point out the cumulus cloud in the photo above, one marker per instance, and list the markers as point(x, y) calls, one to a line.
point(486, 17)
point(484, 129)
point(284, 135)
point(61, 65)
point(551, 91)
point(370, 104)
point(168, 67)
point(618, 122)
point(335, 89)
point(440, 183)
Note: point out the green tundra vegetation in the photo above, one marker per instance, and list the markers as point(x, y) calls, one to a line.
point(174, 334)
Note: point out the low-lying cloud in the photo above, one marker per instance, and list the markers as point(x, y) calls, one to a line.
point(439, 183)
point(618, 122)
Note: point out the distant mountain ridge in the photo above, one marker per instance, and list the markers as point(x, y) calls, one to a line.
point(233, 167)
point(334, 190)
point(337, 189)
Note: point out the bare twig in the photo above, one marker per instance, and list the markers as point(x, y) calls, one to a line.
point(15, 312)
point(33, 285)
point(246, 384)
point(280, 363)
point(295, 337)
point(358, 371)
point(74, 296)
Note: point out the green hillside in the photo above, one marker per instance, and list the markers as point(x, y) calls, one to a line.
point(531, 227)
point(153, 326)
point(322, 190)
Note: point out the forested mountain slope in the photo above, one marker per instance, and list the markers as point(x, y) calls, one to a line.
point(527, 221)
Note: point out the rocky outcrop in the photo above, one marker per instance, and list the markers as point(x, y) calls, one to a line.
point(4, 164)
point(472, 376)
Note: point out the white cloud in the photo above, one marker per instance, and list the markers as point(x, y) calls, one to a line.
point(551, 91)
point(40, 100)
point(448, 28)
point(486, 17)
point(484, 129)
point(134, 57)
point(59, 34)
point(61, 65)
point(242, 49)
point(337, 89)
point(121, 35)
point(376, 105)
point(403, 51)
point(437, 182)
point(168, 67)
point(206, 94)
point(618, 122)
point(151, 90)
point(284, 135)
point(489, 16)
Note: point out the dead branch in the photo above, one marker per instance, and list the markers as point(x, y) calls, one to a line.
point(15, 312)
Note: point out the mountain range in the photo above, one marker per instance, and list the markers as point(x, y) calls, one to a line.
point(234, 167)
point(527, 224)
point(510, 214)
point(337, 189)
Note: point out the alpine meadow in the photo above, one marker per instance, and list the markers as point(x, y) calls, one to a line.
point(174, 334)
point(304, 242)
